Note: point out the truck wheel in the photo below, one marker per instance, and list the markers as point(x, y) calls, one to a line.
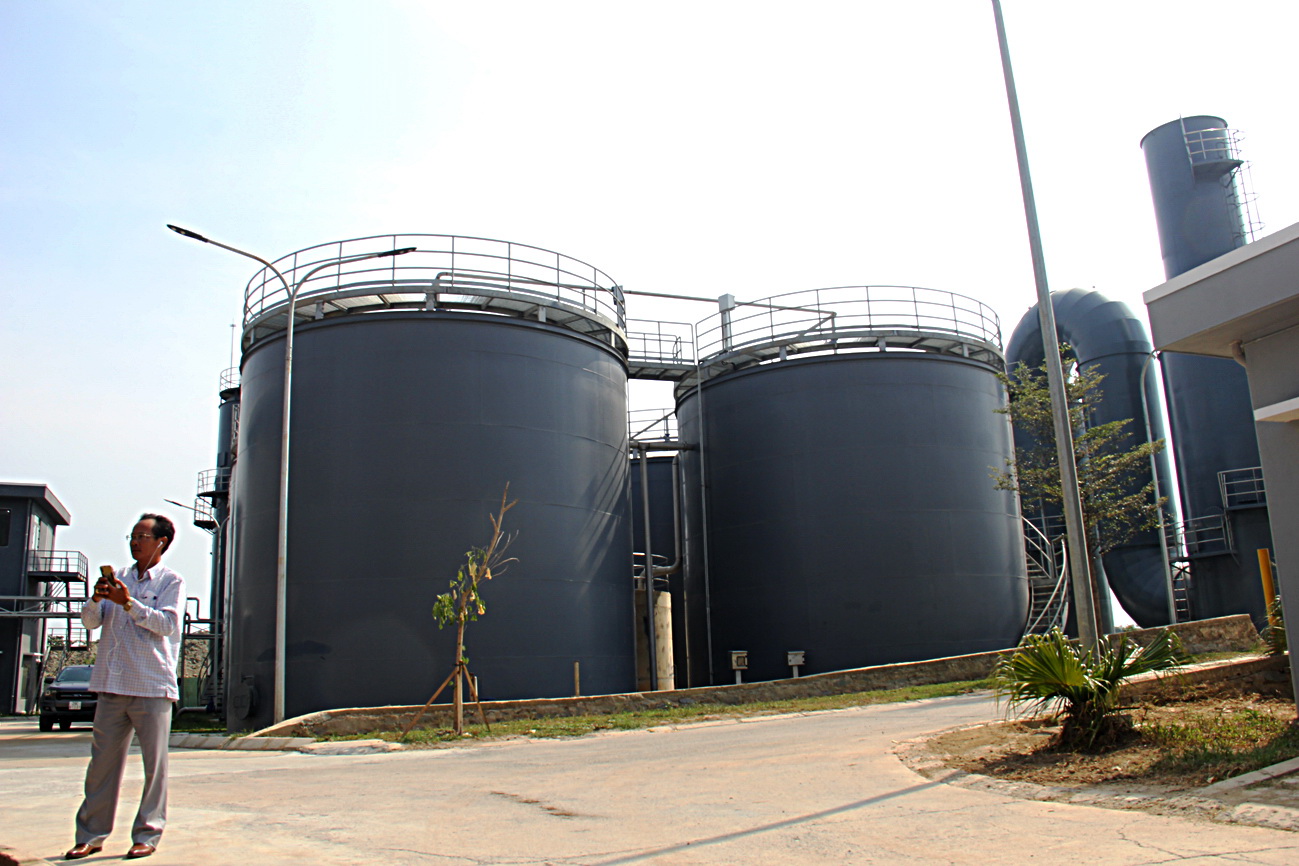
point(65, 724)
point(47, 724)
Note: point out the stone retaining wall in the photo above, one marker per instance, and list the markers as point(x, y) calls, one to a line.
point(1268, 675)
point(1234, 633)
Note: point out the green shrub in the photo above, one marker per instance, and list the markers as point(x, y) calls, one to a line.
point(1049, 669)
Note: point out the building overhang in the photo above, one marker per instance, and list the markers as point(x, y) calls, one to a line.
point(58, 514)
point(1247, 294)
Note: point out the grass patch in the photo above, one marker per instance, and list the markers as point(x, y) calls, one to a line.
point(577, 726)
point(1223, 745)
point(192, 723)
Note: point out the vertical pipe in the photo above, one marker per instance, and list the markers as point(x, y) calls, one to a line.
point(1154, 474)
point(726, 304)
point(649, 571)
point(1079, 566)
point(679, 530)
point(703, 510)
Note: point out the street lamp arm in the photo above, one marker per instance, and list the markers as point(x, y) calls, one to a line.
point(186, 233)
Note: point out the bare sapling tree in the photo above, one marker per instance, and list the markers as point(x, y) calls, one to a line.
point(463, 603)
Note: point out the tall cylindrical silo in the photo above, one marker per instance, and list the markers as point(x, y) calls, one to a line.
point(1194, 168)
point(845, 440)
point(419, 392)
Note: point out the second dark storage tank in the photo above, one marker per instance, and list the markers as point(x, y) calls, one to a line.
point(846, 440)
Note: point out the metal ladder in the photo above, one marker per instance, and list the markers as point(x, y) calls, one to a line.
point(1182, 592)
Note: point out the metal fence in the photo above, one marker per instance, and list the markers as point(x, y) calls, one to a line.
point(656, 342)
point(444, 269)
point(1242, 487)
point(63, 562)
point(648, 425)
point(827, 315)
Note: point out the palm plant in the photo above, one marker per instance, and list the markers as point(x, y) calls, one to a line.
point(1274, 639)
point(1050, 669)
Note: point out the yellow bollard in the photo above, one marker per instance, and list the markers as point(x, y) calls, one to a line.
point(1269, 586)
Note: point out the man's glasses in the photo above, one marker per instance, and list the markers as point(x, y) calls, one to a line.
point(140, 537)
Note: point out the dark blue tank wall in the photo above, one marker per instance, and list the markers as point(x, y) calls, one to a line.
point(851, 513)
point(1107, 337)
point(1198, 214)
point(406, 428)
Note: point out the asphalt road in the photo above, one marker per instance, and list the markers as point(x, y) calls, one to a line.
point(817, 788)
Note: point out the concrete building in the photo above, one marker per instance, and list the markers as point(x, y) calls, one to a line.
point(1244, 305)
point(36, 582)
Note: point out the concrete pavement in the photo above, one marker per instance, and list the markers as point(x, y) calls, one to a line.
point(817, 788)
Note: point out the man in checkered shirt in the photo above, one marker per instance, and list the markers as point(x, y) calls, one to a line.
point(140, 609)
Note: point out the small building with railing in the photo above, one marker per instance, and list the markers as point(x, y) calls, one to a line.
point(39, 585)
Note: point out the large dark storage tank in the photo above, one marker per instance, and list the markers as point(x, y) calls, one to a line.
point(849, 508)
point(1104, 335)
point(1193, 167)
point(409, 418)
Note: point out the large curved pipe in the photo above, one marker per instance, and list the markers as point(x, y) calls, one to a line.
point(1107, 337)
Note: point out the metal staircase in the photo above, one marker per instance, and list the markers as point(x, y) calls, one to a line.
point(1048, 580)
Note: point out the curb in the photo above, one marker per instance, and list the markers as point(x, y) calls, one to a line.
point(306, 745)
point(248, 744)
point(914, 755)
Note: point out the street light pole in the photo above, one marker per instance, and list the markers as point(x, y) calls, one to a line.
point(282, 545)
point(1079, 565)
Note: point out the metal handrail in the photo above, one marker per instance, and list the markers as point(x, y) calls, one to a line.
point(213, 481)
point(1242, 487)
point(1049, 525)
point(229, 379)
point(649, 424)
point(454, 265)
point(1208, 534)
point(1212, 145)
point(58, 562)
point(205, 513)
point(660, 342)
point(1055, 610)
point(821, 316)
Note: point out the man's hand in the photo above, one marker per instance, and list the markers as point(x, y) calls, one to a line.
point(104, 584)
point(115, 591)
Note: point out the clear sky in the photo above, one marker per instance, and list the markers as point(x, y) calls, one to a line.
point(694, 147)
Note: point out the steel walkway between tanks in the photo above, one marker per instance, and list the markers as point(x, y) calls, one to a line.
point(823, 787)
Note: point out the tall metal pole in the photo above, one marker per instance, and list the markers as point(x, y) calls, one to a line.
point(1159, 495)
point(1079, 566)
point(282, 543)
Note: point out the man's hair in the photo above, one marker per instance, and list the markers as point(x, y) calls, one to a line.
point(162, 528)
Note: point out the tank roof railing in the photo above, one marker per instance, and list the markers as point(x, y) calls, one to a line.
point(849, 318)
point(446, 272)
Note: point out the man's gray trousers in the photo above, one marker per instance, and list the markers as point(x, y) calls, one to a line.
point(116, 717)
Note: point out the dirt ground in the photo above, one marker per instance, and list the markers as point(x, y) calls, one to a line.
point(1023, 750)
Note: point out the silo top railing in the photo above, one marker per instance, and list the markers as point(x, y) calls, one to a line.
point(229, 380)
point(446, 272)
point(850, 318)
